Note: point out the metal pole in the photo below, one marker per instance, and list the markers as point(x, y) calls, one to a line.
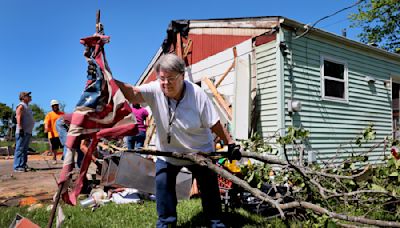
point(55, 204)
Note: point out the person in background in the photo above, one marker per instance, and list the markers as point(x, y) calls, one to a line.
point(83, 149)
point(23, 133)
point(51, 130)
point(185, 120)
point(62, 126)
point(137, 141)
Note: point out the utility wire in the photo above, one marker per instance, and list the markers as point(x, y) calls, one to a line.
point(334, 23)
point(308, 28)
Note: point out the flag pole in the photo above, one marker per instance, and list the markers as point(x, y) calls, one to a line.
point(99, 30)
point(55, 204)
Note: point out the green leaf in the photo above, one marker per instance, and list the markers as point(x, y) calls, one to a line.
point(351, 182)
point(378, 21)
point(331, 224)
point(251, 177)
point(396, 162)
point(394, 174)
point(377, 187)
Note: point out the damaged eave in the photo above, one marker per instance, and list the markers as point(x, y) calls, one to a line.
point(251, 23)
point(300, 28)
point(149, 67)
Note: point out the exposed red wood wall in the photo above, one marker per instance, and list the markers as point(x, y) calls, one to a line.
point(205, 45)
point(263, 39)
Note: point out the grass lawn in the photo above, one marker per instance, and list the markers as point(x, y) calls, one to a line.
point(38, 146)
point(137, 215)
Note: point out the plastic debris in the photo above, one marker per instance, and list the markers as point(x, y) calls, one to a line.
point(22, 222)
point(27, 201)
point(129, 195)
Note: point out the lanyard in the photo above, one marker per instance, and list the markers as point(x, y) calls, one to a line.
point(172, 116)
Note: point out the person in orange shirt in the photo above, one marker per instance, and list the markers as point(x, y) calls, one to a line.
point(50, 128)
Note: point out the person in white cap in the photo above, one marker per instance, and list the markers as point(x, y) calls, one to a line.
point(50, 128)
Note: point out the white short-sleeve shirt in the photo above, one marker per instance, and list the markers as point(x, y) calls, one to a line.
point(190, 129)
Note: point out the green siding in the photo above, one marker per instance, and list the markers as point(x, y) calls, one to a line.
point(334, 124)
point(267, 89)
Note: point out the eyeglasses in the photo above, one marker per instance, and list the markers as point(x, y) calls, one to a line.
point(169, 79)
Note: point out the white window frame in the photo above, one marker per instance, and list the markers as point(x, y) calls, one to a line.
point(345, 79)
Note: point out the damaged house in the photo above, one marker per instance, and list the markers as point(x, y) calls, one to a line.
point(265, 74)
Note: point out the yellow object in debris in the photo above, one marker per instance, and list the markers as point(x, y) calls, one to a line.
point(249, 163)
point(218, 146)
point(232, 166)
point(221, 149)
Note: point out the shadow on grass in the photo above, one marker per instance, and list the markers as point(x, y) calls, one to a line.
point(230, 219)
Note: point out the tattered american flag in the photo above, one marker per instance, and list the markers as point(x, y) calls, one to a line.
point(102, 111)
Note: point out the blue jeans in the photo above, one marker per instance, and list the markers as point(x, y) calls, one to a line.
point(21, 150)
point(166, 193)
point(137, 141)
point(62, 135)
point(79, 160)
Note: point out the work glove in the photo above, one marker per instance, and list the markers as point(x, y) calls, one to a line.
point(234, 152)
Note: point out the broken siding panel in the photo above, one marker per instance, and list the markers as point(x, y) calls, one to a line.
point(266, 89)
point(242, 99)
point(332, 124)
point(214, 67)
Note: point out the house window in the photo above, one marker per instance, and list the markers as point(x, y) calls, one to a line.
point(334, 79)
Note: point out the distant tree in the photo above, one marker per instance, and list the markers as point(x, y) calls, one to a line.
point(38, 112)
point(380, 23)
point(40, 131)
point(5, 112)
point(5, 116)
point(38, 116)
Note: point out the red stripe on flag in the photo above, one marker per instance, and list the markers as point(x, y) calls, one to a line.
point(111, 120)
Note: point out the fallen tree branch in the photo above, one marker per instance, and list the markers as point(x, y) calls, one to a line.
point(312, 172)
point(359, 192)
point(264, 158)
point(321, 210)
point(203, 161)
point(304, 171)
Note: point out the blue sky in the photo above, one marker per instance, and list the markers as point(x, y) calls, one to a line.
point(40, 49)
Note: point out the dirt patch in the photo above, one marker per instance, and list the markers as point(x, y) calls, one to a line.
point(39, 183)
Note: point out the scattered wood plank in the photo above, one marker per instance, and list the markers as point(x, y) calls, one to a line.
point(178, 45)
point(150, 132)
point(221, 101)
point(229, 68)
point(187, 48)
